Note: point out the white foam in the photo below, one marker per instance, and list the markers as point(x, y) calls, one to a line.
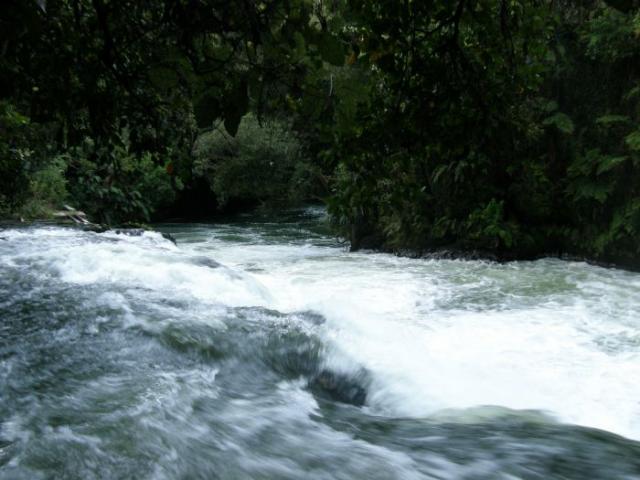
point(452, 335)
point(557, 337)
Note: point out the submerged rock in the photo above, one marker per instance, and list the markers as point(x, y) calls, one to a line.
point(339, 387)
point(168, 236)
point(132, 232)
point(314, 318)
point(95, 228)
point(205, 262)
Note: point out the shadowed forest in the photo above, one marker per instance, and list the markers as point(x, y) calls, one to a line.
point(508, 127)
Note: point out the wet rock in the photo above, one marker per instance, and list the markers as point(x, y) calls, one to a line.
point(312, 317)
point(339, 387)
point(205, 262)
point(168, 236)
point(95, 228)
point(131, 232)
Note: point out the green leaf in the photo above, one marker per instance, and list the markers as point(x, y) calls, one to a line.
point(633, 140)
point(631, 94)
point(608, 163)
point(593, 191)
point(438, 173)
point(609, 119)
point(561, 121)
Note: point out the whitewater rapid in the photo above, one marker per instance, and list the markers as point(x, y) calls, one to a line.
point(440, 341)
point(561, 338)
point(556, 337)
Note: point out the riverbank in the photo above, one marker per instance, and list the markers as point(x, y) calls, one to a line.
point(462, 254)
point(373, 244)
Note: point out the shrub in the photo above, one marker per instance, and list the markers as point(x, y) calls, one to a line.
point(262, 164)
point(47, 189)
point(115, 185)
point(14, 155)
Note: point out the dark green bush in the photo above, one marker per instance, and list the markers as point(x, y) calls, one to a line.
point(32, 175)
point(115, 185)
point(14, 155)
point(262, 164)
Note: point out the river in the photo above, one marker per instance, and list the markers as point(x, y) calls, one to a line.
point(261, 348)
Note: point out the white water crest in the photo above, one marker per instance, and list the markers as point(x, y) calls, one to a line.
point(558, 337)
point(436, 337)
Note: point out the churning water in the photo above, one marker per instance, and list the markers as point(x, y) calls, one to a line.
point(263, 349)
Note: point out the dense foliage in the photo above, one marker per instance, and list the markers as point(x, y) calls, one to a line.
point(261, 164)
point(505, 126)
point(115, 92)
point(501, 126)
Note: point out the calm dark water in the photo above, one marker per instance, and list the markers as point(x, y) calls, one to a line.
point(262, 349)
